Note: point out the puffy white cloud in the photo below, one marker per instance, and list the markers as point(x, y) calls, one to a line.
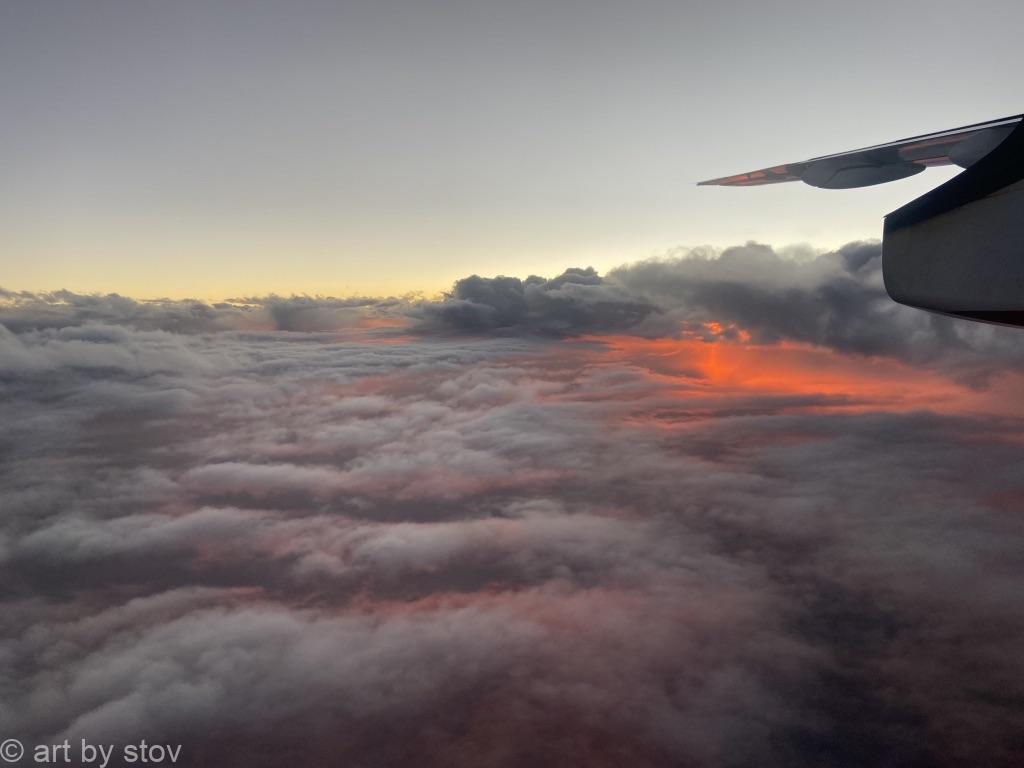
point(284, 545)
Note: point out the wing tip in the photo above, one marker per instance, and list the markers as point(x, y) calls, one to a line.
point(773, 175)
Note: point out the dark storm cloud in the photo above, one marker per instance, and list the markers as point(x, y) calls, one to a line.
point(577, 301)
point(280, 546)
point(834, 299)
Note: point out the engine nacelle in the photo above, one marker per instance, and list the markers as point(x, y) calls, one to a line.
point(959, 249)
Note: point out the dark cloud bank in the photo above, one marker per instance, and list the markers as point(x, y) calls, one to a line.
point(294, 532)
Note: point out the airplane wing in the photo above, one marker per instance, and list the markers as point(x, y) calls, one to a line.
point(959, 248)
point(962, 146)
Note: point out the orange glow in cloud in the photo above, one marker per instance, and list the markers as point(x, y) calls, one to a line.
point(734, 367)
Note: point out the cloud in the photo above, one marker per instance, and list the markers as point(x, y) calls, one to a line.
point(577, 301)
point(23, 310)
point(645, 519)
point(834, 300)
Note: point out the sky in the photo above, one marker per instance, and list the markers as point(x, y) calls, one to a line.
point(208, 150)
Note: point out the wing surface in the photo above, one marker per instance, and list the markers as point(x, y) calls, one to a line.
point(878, 164)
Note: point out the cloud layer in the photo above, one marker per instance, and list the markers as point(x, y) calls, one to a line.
point(709, 512)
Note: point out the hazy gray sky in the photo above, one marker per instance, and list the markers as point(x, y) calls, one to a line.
point(220, 148)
